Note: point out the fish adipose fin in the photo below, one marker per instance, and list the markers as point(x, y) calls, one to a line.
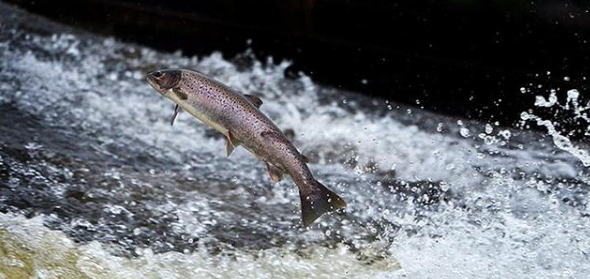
point(254, 100)
point(317, 202)
point(231, 143)
point(177, 110)
point(274, 173)
point(305, 159)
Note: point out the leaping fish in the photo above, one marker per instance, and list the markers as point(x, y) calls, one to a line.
point(237, 116)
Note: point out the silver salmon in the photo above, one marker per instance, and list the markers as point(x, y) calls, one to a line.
point(238, 118)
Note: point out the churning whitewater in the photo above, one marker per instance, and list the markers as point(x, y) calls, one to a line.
point(95, 183)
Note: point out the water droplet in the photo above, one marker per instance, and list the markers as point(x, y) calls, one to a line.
point(505, 134)
point(464, 132)
point(489, 129)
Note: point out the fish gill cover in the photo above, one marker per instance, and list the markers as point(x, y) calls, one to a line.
point(94, 183)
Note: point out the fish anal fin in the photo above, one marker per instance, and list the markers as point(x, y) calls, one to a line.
point(231, 143)
point(229, 148)
point(254, 100)
point(274, 173)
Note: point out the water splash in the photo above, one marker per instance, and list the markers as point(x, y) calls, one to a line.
point(126, 195)
point(571, 106)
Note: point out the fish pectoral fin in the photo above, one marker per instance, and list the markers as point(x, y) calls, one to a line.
point(177, 110)
point(274, 173)
point(254, 100)
point(181, 95)
point(231, 143)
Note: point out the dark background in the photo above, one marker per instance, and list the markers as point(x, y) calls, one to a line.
point(463, 58)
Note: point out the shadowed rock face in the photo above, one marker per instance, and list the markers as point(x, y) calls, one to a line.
point(461, 58)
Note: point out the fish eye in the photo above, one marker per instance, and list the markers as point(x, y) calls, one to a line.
point(157, 74)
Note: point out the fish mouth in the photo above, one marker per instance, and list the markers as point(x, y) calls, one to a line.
point(154, 83)
point(164, 80)
point(151, 80)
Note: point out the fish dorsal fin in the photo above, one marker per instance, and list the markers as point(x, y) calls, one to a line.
point(254, 100)
point(177, 110)
point(274, 173)
point(231, 143)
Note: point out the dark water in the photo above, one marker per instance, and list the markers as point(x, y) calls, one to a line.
point(95, 183)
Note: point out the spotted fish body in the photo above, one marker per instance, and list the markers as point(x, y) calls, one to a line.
point(238, 118)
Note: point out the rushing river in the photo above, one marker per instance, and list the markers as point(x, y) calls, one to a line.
point(95, 183)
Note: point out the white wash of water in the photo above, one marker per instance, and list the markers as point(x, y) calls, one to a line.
point(499, 223)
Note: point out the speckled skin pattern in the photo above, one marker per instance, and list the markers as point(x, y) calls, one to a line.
point(227, 110)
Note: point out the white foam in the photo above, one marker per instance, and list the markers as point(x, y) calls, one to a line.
point(498, 222)
point(29, 250)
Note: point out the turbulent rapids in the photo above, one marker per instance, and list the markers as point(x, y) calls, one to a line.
point(95, 183)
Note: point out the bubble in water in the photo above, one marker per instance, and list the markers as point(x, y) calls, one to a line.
point(464, 132)
point(489, 140)
point(505, 134)
point(572, 98)
point(489, 129)
point(33, 146)
point(540, 101)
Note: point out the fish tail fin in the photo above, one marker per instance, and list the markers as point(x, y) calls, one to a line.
point(318, 201)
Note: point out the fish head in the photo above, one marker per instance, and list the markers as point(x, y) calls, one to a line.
point(163, 80)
